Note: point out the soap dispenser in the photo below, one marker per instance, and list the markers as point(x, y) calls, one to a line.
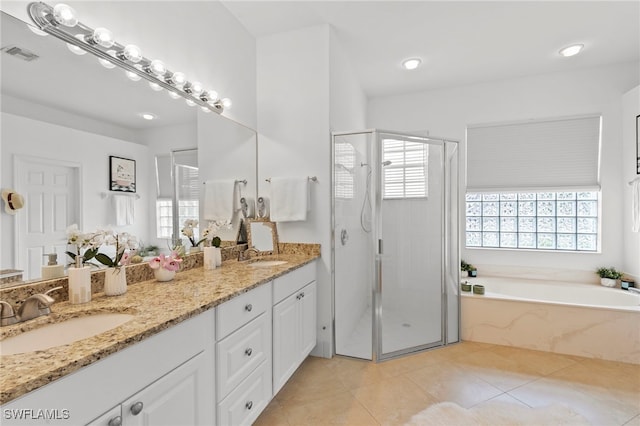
point(52, 269)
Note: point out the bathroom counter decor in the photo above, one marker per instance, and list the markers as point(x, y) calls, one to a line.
point(154, 307)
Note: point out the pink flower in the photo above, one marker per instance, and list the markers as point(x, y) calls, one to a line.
point(170, 263)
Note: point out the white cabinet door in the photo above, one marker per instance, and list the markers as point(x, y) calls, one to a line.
point(286, 340)
point(308, 320)
point(181, 397)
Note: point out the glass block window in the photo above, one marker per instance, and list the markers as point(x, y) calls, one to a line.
point(188, 209)
point(406, 175)
point(564, 221)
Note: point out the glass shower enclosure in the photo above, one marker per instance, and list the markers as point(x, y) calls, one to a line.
point(395, 240)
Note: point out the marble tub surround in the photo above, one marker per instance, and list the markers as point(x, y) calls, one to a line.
point(156, 306)
point(537, 273)
point(608, 331)
point(136, 273)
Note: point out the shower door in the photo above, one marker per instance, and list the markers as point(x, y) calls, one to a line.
point(390, 226)
point(410, 231)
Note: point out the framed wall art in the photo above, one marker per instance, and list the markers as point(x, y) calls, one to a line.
point(122, 174)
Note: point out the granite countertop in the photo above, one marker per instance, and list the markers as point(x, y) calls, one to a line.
point(156, 306)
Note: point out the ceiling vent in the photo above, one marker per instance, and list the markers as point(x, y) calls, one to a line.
point(20, 53)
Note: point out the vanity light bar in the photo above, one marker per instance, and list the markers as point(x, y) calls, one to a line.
point(43, 16)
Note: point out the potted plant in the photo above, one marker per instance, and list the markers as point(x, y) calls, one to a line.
point(608, 276)
point(468, 270)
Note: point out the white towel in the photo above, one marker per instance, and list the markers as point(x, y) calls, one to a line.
point(123, 208)
point(635, 205)
point(221, 199)
point(289, 199)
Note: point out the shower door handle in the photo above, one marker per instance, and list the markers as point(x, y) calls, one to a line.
point(380, 246)
point(344, 237)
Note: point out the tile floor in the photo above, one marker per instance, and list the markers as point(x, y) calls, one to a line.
point(344, 391)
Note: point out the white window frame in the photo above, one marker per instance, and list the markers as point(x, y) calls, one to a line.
point(408, 173)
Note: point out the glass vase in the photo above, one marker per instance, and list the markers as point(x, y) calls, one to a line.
point(115, 281)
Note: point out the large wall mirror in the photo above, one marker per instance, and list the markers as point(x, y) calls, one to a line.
point(63, 117)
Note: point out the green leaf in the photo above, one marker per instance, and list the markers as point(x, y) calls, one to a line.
point(215, 242)
point(71, 255)
point(104, 259)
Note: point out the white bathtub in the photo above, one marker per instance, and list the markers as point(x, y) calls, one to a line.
point(577, 319)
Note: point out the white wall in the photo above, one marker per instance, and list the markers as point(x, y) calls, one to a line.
point(630, 109)
point(447, 112)
point(305, 88)
point(27, 137)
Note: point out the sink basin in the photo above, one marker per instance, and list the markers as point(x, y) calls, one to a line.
point(267, 263)
point(62, 333)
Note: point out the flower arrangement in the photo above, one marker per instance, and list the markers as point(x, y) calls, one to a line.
point(170, 262)
point(187, 231)
point(212, 228)
point(121, 241)
point(85, 247)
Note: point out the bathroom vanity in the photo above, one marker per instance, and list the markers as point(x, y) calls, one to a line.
point(210, 347)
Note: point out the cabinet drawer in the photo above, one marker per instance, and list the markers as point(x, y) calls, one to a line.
point(233, 314)
point(246, 402)
point(287, 284)
point(241, 352)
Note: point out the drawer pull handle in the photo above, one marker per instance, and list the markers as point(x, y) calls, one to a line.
point(249, 405)
point(116, 421)
point(248, 308)
point(248, 352)
point(137, 408)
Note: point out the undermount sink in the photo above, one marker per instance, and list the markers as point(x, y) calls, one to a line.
point(62, 333)
point(267, 263)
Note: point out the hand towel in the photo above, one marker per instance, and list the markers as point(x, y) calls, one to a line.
point(289, 198)
point(220, 199)
point(123, 207)
point(635, 205)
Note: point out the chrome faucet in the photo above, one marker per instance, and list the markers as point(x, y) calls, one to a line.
point(7, 316)
point(33, 307)
point(246, 255)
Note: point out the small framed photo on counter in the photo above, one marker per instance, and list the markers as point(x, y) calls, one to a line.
point(122, 174)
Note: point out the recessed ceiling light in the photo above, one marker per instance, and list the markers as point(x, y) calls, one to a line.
point(574, 49)
point(411, 64)
point(148, 116)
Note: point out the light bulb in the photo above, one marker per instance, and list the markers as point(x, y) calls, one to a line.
point(177, 79)
point(76, 49)
point(205, 109)
point(411, 64)
point(209, 96)
point(105, 62)
point(157, 67)
point(133, 76)
point(147, 116)
point(226, 103)
point(190, 102)
point(155, 86)
point(174, 95)
point(65, 15)
point(131, 53)
point(571, 50)
point(196, 88)
point(101, 36)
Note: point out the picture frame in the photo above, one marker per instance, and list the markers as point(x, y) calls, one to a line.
point(122, 174)
point(638, 144)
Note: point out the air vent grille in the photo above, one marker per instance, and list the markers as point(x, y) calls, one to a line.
point(20, 53)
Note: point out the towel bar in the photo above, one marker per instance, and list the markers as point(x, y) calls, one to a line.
point(311, 178)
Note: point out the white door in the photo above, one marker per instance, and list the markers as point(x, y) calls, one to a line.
point(52, 202)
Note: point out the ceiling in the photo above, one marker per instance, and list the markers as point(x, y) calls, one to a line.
point(460, 42)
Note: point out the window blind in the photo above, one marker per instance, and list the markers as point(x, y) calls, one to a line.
point(556, 153)
point(406, 176)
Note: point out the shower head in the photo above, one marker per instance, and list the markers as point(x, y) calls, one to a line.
point(386, 163)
